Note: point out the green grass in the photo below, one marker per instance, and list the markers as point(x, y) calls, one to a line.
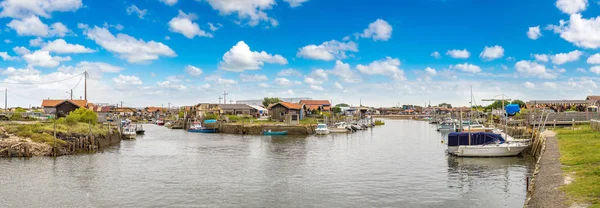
point(580, 154)
point(43, 132)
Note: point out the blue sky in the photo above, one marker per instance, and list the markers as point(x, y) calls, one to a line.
point(155, 52)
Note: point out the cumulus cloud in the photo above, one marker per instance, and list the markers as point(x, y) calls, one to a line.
point(33, 26)
point(594, 59)
point(541, 57)
point(94, 69)
point(572, 6)
point(253, 77)
point(430, 71)
point(462, 54)
point(6, 57)
point(295, 3)
point(289, 73)
point(316, 88)
point(21, 50)
point(184, 24)
point(240, 58)
point(534, 33)
point(172, 85)
point(311, 80)
point(7, 41)
point(529, 85)
point(264, 85)
point(533, 69)
point(129, 48)
point(169, 2)
point(123, 80)
point(286, 82)
point(595, 69)
point(466, 67)
point(43, 8)
point(550, 85)
point(193, 71)
point(492, 52)
point(319, 74)
point(435, 54)
point(579, 31)
point(133, 9)
point(214, 27)
point(344, 72)
point(44, 59)
point(61, 46)
point(226, 81)
point(327, 51)
point(251, 10)
point(36, 42)
point(562, 58)
point(378, 30)
point(388, 66)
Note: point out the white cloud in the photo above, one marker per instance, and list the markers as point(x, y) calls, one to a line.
point(463, 54)
point(295, 3)
point(533, 69)
point(59, 29)
point(541, 57)
point(582, 70)
point(316, 88)
point(205, 86)
point(594, 59)
point(193, 71)
point(25, 8)
point(529, 85)
point(579, 31)
point(534, 33)
point(284, 82)
point(466, 67)
point(7, 57)
point(123, 80)
point(338, 86)
point(492, 52)
point(21, 50)
point(550, 85)
point(127, 47)
point(169, 2)
point(240, 58)
point(133, 9)
point(170, 85)
point(388, 66)
point(7, 41)
point(184, 24)
point(378, 30)
point(214, 27)
point(435, 54)
point(251, 10)
point(572, 6)
point(44, 59)
point(264, 85)
point(33, 26)
point(327, 51)
point(117, 26)
point(289, 73)
point(562, 58)
point(253, 77)
point(430, 71)
point(319, 73)
point(167, 38)
point(226, 81)
point(94, 69)
point(61, 46)
point(343, 71)
point(595, 69)
point(312, 81)
point(36, 42)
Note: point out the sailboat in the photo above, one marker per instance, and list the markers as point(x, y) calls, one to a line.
point(483, 144)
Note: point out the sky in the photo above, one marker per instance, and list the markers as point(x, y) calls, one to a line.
point(376, 53)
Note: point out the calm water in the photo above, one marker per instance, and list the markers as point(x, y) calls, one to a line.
point(401, 164)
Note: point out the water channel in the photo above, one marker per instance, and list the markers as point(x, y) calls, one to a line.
point(400, 164)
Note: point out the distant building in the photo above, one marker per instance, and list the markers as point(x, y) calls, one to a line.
point(282, 110)
point(316, 105)
point(62, 108)
point(259, 102)
point(236, 109)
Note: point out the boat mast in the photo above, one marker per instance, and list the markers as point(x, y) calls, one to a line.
point(471, 116)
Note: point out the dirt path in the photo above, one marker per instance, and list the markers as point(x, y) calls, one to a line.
point(546, 193)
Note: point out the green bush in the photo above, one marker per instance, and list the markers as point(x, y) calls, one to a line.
point(16, 116)
point(81, 115)
point(210, 116)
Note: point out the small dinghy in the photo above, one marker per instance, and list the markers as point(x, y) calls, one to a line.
point(274, 133)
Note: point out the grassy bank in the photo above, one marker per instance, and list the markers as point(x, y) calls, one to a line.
point(580, 157)
point(43, 132)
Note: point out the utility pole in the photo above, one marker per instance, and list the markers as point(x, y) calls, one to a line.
point(225, 97)
point(6, 99)
point(85, 74)
point(220, 98)
point(121, 104)
point(230, 101)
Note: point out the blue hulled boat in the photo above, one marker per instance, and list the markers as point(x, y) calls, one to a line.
point(197, 128)
point(274, 133)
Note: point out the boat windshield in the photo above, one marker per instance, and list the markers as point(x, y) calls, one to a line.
point(321, 126)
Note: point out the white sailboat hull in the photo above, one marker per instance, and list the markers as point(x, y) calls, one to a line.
point(490, 150)
point(321, 131)
point(338, 130)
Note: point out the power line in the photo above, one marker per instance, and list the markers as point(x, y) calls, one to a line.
point(77, 83)
point(37, 83)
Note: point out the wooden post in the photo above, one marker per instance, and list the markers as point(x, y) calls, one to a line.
point(554, 127)
point(573, 123)
point(54, 150)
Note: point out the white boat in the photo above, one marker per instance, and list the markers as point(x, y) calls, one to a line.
point(322, 129)
point(491, 150)
point(341, 127)
point(129, 132)
point(475, 128)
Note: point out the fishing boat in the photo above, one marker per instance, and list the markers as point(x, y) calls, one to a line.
point(160, 122)
point(482, 144)
point(379, 122)
point(139, 129)
point(197, 128)
point(341, 127)
point(274, 133)
point(129, 132)
point(322, 129)
point(447, 126)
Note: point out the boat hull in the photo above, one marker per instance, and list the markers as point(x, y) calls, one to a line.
point(202, 130)
point(275, 133)
point(493, 150)
point(140, 132)
point(339, 130)
point(129, 136)
point(322, 131)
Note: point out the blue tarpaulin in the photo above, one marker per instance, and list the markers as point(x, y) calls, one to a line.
point(478, 138)
point(512, 109)
point(210, 121)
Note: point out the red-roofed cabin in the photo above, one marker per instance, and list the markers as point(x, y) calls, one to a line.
point(279, 111)
point(62, 108)
point(316, 105)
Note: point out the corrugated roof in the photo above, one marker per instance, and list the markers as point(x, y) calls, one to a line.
point(54, 103)
point(234, 107)
point(315, 102)
point(295, 106)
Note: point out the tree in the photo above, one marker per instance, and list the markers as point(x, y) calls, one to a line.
point(445, 104)
point(521, 103)
point(342, 105)
point(268, 101)
point(81, 115)
point(336, 110)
